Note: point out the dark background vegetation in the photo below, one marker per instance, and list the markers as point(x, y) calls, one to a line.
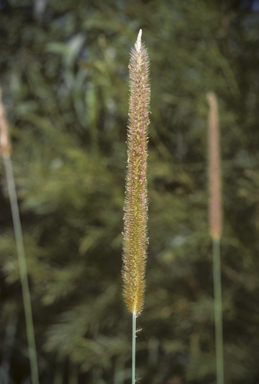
point(64, 75)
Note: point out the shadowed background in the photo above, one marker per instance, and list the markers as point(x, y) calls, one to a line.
point(64, 79)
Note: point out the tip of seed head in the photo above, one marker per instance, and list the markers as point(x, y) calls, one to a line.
point(138, 42)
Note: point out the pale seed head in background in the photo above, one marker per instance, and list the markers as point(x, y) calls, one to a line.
point(215, 209)
point(5, 146)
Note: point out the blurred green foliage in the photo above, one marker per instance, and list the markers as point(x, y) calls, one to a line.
point(64, 75)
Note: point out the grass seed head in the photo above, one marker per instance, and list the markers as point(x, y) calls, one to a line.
point(135, 206)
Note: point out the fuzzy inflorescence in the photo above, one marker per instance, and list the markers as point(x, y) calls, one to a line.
point(135, 207)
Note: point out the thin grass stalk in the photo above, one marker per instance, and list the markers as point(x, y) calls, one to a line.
point(133, 347)
point(6, 151)
point(135, 206)
point(218, 311)
point(215, 219)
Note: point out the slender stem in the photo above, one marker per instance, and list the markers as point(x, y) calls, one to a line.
point(22, 268)
point(218, 311)
point(133, 346)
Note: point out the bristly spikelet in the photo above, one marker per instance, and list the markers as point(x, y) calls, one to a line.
point(135, 207)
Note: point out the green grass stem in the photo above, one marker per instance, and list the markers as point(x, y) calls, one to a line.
point(218, 311)
point(133, 347)
point(22, 269)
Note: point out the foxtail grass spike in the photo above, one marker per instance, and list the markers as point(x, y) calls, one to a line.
point(135, 207)
point(215, 210)
point(5, 149)
point(215, 219)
